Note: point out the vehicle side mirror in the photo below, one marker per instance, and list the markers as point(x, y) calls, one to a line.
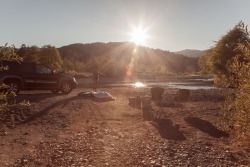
point(53, 72)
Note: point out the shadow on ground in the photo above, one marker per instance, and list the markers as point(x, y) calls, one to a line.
point(205, 127)
point(64, 103)
point(36, 97)
point(169, 131)
point(96, 99)
point(46, 110)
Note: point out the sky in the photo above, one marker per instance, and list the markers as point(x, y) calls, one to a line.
point(171, 25)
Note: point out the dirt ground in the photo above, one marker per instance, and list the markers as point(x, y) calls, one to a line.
point(68, 130)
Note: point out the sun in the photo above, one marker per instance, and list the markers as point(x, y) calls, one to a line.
point(138, 36)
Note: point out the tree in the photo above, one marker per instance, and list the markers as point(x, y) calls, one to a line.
point(224, 50)
point(205, 62)
point(29, 53)
point(114, 69)
point(49, 55)
point(68, 65)
point(9, 53)
point(100, 54)
point(216, 60)
point(236, 110)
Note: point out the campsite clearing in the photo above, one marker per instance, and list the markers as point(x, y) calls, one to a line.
point(68, 130)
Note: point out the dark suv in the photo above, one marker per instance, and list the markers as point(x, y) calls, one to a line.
point(32, 76)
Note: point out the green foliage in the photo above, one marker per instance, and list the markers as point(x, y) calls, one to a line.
point(120, 55)
point(114, 69)
point(92, 64)
point(235, 116)
point(7, 53)
point(217, 60)
point(29, 53)
point(3, 97)
point(238, 66)
point(160, 70)
point(68, 65)
point(225, 51)
point(205, 62)
point(221, 81)
point(49, 55)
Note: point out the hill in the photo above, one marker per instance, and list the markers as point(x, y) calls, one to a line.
point(190, 53)
point(126, 56)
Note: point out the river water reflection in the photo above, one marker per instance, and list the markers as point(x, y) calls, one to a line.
point(190, 84)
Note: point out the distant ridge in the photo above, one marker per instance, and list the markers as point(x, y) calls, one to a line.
point(190, 53)
point(124, 53)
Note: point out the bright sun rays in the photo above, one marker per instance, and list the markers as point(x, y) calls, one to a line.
point(139, 35)
point(139, 84)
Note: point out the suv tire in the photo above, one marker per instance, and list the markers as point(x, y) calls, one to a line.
point(13, 86)
point(66, 87)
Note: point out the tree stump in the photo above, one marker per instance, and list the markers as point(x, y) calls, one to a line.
point(146, 103)
point(183, 95)
point(135, 102)
point(147, 108)
point(156, 93)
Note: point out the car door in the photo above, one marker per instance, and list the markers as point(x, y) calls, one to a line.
point(27, 71)
point(45, 77)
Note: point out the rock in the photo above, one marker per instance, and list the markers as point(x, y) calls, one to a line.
point(25, 142)
point(152, 162)
point(24, 161)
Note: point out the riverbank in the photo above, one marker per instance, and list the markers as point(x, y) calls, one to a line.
point(68, 130)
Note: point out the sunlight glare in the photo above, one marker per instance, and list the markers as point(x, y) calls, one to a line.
point(139, 84)
point(138, 35)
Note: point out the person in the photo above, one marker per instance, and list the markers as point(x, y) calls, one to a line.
point(95, 79)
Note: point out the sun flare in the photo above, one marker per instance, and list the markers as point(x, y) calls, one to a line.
point(138, 36)
point(139, 84)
